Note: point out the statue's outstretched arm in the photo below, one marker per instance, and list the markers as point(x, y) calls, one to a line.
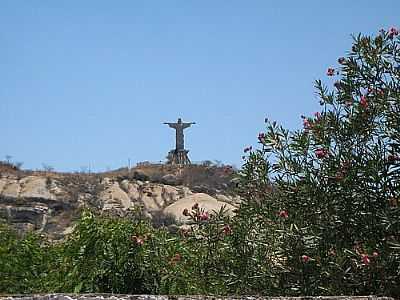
point(172, 125)
point(186, 125)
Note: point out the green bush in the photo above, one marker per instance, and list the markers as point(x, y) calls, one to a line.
point(336, 182)
point(25, 262)
point(118, 255)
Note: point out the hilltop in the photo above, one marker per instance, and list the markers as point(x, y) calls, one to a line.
point(48, 202)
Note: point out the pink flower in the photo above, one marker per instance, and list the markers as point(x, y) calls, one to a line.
point(365, 259)
point(375, 254)
point(306, 124)
point(305, 259)
point(283, 214)
point(261, 136)
point(204, 216)
point(317, 115)
point(227, 230)
point(330, 72)
point(370, 90)
point(175, 259)
point(186, 212)
point(364, 102)
point(393, 32)
point(138, 240)
point(321, 153)
point(341, 60)
point(248, 149)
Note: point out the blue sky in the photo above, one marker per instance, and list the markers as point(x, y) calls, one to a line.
point(91, 82)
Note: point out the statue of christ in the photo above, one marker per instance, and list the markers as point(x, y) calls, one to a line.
point(179, 127)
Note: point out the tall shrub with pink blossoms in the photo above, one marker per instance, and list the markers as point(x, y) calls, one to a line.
point(337, 180)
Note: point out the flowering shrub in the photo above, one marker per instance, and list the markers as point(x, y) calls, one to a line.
point(115, 255)
point(338, 180)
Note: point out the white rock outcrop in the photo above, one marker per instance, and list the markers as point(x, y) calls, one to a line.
point(204, 201)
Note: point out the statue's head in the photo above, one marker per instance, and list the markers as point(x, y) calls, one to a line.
point(179, 120)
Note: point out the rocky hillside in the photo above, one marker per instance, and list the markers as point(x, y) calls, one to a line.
point(49, 202)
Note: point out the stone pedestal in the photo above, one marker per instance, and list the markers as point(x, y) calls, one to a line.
point(178, 157)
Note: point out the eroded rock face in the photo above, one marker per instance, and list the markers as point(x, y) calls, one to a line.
point(11, 188)
point(49, 204)
point(35, 187)
point(114, 197)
